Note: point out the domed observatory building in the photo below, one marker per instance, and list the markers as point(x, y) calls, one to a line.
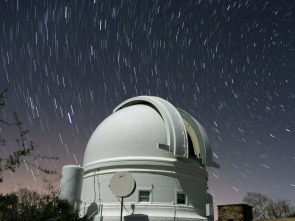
point(165, 150)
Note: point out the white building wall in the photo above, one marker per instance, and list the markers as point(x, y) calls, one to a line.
point(164, 177)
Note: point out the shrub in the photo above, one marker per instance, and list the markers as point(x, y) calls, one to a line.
point(31, 205)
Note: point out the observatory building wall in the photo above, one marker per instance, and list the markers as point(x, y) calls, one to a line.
point(162, 178)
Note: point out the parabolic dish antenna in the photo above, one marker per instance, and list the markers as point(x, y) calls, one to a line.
point(122, 184)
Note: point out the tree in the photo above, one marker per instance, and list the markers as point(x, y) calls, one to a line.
point(258, 201)
point(278, 209)
point(25, 149)
point(274, 208)
point(292, 214)
point(32, 205)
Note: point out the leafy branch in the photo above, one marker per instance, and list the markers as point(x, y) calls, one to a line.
point(25, 148)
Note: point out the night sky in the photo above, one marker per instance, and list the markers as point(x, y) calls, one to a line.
point(230, 64)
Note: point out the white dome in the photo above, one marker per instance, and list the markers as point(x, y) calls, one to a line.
point(151, 127)
point(132, 131)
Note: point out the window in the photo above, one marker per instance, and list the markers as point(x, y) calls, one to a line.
point(144, 196)
point(181, 198)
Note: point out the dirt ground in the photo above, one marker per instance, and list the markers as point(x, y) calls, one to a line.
point(286, 219)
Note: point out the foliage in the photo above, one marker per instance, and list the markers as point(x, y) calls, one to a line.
point(7, 204)
point(25, 150)
point(31, 205)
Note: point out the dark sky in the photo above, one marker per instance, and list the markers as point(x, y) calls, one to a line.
point(230, 64)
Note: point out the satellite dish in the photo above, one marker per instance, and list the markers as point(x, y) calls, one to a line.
point(122, 184)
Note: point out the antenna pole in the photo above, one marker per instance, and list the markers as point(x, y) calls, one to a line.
point(121, 208)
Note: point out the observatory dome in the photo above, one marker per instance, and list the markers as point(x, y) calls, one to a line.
point(148, 126)
point(164, 149)
point(133, 131)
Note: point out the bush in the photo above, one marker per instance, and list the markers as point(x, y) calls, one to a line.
point(31, 205)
